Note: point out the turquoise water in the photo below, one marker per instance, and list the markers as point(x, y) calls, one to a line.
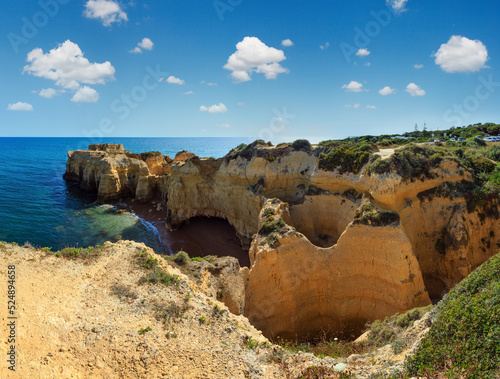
point(38, 206)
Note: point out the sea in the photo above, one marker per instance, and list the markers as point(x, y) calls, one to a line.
point(39, 207)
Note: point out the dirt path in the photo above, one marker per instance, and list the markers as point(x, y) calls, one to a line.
point(385, 153)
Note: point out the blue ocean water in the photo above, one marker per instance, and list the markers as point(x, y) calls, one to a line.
point(38, 206)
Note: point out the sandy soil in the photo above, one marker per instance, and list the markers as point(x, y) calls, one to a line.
point(93, 318)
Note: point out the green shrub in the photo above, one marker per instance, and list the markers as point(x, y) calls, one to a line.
point(411, 162)
point(268, 212)
point(78, 252)
point(271, 225)
point(181, 258)
point(154, 272)
point(367, 214)
point(494, 153)
point(345, 157)
point(301, 144)
point(145, 330)
point(464, 339)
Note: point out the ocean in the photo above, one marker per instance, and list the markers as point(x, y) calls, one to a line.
point(39, 207)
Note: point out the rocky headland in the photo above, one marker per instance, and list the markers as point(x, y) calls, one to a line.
point(337, 236)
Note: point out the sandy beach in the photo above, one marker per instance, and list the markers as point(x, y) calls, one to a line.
point(199, 237)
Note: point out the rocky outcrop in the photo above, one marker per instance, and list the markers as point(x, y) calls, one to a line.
point(329, 250)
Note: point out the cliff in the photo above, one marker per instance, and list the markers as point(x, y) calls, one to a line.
point(336, 236)
point(104, 313)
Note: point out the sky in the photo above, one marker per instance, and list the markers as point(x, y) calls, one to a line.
point(275, 70)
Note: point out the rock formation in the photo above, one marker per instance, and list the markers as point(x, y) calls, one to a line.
point(329, 250)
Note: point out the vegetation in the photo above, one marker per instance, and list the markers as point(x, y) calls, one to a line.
point(145, 156)
point(315, 372)
point(181, 258)
point(167, 313)
point(123, 292)
point(250, 342)
point(88, 253)
point(344, 156)
point(272, 224)
point(247, 151)
point(145, 330)
point(155, 274)
point(464, 338)
point(301, 144)
point(367, 214)
point(411, 162)
point(381, 333)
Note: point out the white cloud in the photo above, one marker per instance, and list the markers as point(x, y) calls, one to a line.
point(368, 64)
point(287, 42)
point(387, 91)
point(371, 107)
point(241, 103)
point(363, 53)
point(418, 66)
point(356, 106)
point(414, 90)
point(209, 84)
point(220, 108)
point(145, 44)
point(20, 106)
point(85, 95)
point(173, 80)
point(188, 93)
point(67, 66)
point(224, 125)
point(325, 46)
point(461, 54)
point(353, 86)
point(397, 5)
point(252, 55)
point(108, 11)
point(48, 93)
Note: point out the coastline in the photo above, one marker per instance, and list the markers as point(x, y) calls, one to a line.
point(199, 237)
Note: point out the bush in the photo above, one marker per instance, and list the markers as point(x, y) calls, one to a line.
point(494, 153)
point(367, 214)
point(464, 339)
point(301, 144)
point(155, 274)
point(181, 258)
point(411, 162)
point(346, 158)
point(272, 225)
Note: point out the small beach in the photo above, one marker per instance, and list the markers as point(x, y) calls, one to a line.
point(199, 237)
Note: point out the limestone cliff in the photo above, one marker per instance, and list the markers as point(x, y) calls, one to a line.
point(330, 249)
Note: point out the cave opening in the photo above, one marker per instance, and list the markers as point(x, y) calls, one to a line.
point(322, 219)
point(202, 236)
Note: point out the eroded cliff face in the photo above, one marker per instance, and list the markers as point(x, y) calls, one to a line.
point(111, 175)
point(328, 251)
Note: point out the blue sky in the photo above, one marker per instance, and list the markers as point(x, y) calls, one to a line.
point(317, 70)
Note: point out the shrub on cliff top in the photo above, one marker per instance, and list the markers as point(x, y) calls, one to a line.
point(411, 162)
point(367, 214)
point(155, 274)
point(144, 156)
point(181, 258)
point(301, 144)
point(271, 225)
point(464, 338)
point(346, 157)
point(79, 252)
